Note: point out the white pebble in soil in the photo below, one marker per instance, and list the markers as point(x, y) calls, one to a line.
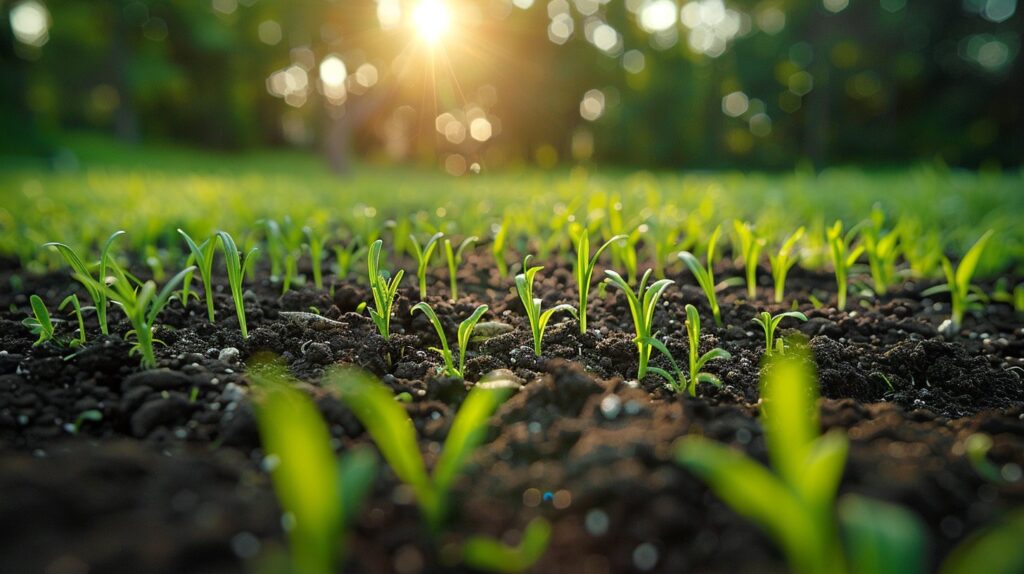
point(611, 406)
point(228, 355)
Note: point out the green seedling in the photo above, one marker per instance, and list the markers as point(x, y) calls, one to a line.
point(921, 246)
point(454, 257)
point(962, 295)
point(345, 257)
point(843, 258)
point(783, 261)
point(142, 305)
point(388, 423)
point(995, 550)
point(882, 250)
point(485, 553)
point(679, 383)
point(976, 448)
point(236, 274)
point(284, 245)
point(882, 538)
point(202, 256)
point(1002, 294)
point(641, 306)
point(624, 253)
point(423, 254)
point(706, 275)
point(91, 415)
point(39, 323)
point(92, 284)
point(465, 330)
point(750, 246)
point(151, 255)
point(498, 248)
point(662, 238)
point(794, 501)
point(320, 493)
point(384, 290)
point(769, 324)
point(584, 270)
point(76, 310)
point(538, 319)
point(315, 244)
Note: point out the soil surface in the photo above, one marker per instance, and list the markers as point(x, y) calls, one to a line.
point(172, 479)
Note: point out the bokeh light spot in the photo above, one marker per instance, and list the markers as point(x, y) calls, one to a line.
point(30, 22)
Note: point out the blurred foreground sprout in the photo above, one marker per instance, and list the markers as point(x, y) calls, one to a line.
point(393, 432)
point(322, 494)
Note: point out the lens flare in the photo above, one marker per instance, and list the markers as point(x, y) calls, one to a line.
point(432, 20)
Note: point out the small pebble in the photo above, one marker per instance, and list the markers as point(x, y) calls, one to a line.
point(228, 355)
point(611, 406)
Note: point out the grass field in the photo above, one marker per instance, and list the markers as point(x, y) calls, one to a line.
point(95, 187)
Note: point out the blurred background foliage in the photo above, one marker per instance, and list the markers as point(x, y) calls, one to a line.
point(639, 83)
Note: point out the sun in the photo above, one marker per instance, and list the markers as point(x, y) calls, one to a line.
point(432, 20)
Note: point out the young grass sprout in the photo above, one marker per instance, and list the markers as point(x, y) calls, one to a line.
point(384, 290)
point(423, 254)
point(39, 323)
point(795, 503)
point(141, 305)
point(706, 275)
point(454, 257)
point(321, 495)
point(843, 258)
point(641, 306)
point(76, 309)
point(392, 430)
point(584, 270)
point(962, 295)
point(679, 383)
point(202, 256)
point(882, 250)
point(750, 247)
point(465, 330)
point(315, 244)
point(538, 319)
point(783, 261)
point(485, 553)
point(284, 245)
point(498, 248)
point(236, 274)
point(769, 324)
point(92, 284)
point(345, 257)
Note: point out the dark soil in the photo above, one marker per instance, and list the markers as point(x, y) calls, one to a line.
point(170, 479)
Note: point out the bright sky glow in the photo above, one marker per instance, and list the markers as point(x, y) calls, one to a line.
point(431, 19)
